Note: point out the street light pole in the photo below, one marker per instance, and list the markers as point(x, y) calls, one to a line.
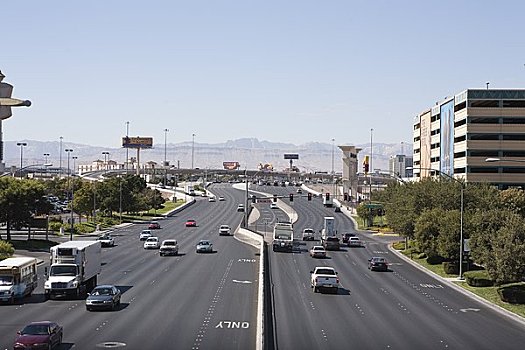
point(165, 155)
point(60, 156)
point(192, 149)
point(70, 183)
point(21, 145)
point(127, 149)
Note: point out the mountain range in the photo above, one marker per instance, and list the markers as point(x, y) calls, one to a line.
point(249, 152)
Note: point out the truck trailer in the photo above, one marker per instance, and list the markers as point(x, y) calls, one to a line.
point(74, 268)
point(283, 237)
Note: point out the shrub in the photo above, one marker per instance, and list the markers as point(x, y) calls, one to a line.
point(478, 278)
point(83, 228)
point(434, 260)
point(399, 245)
point(451, 267)
point(6, 250)
point(513, 293)
point(55, 226)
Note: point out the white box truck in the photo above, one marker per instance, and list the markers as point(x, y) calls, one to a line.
point(282, 237)
point(74, 268)
point(18, 278)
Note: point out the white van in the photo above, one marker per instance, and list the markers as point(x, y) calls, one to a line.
point(18, 278)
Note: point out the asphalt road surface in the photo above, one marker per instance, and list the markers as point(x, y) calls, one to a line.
point(403, 308)
point(190, 301)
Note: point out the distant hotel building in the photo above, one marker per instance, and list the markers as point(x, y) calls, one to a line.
point(457, 135)
point(398, 164)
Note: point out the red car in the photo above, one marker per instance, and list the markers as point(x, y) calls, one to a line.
point(39, 335)
point(154, 225)
point(191, 223)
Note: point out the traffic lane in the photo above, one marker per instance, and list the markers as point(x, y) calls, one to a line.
point(426, 304)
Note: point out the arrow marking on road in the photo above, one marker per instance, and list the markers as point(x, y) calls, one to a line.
point(243, 282)
point(469, 309)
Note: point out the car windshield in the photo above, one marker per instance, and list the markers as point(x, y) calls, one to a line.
point(35, 329)
point(318, 248)
point(101, 291)
point(204, 243)
point(308, 230)
point(169, 243)
point(63, 271)
point(6, 280)
point(325, 272)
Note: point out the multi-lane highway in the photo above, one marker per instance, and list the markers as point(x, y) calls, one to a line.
point(198, 301)
point(191, 301)
point(400, 309)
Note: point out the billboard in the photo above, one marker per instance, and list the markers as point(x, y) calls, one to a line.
point(425, 144)
point(137, 142)
point(231, 165)
point(446, 155)
point(291, 156)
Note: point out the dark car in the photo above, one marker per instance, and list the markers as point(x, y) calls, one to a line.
point(346, 237)
point(103, 297)
point(39, 335)
point(331, 243)
point(191, 223)
point(377, 264)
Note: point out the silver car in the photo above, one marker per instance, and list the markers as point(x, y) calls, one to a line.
point(103, 297)
point(204, 246)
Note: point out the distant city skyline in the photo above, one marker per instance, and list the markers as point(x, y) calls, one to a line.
point(292, 71)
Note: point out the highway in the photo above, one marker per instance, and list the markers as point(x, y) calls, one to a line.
point(190, 301)
point(400, 309)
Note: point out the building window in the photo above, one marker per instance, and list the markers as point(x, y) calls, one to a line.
point(435, 132)
point(461, 122)
point(483, 120)
point(417, 126)
point(460, 138)
point(459, 170)
point(484, 153)
point(483, 137)
point(513, 137)
point(513, 104)
point(520, 154)
point(484, 103)
point(514, 120)
point(513, 170)
point(417, 150)
point(459, 155)
point(460, 106)
point(417, 138)
point(482, 170)
point(434, 145)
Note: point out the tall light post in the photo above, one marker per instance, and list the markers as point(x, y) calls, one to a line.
point(21, 145)
point(45, 157)
point(192, 149)
point(74, 165)
point(165, 155)
point(70, 183)
point(370, 168)
point(106, 158)
point(333, 140)
point(127, 149)
point(60, 157)
point(462, 186)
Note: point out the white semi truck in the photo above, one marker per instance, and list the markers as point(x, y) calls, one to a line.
point(74, 268)
point(329, 238)
point(283, 237)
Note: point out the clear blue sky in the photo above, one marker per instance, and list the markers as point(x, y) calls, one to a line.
point(282, 71)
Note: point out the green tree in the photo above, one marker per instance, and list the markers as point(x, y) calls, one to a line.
point(19, 201)
point(426, 230)
point(6, 250)
point(448, 240)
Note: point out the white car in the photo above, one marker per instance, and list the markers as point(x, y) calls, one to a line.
point(145, 234)
point(273, 206)
point(106, 241)
point(224, 230)
point(354, 242)
point(211, 199)
point(240, 207)
point(221, 199)
point(308, 234)
point(318, 251)
point(169, 247)
point(152, 243)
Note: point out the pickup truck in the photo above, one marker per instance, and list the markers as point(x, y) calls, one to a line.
point(324, 278)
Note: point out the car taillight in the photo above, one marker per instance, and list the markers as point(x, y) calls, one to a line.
point(337, 279)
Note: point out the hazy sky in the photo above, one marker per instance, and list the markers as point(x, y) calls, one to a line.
point(282, 71)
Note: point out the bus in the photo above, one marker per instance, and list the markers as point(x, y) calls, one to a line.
point(18, 278)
